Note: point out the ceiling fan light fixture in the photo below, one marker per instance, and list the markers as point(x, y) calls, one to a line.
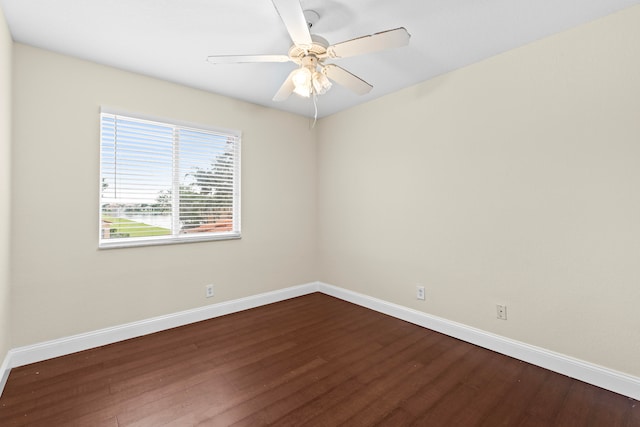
point(301, 79)
point(321, 83)
point(307, 80)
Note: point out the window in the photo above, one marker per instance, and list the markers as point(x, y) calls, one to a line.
point(166, 183)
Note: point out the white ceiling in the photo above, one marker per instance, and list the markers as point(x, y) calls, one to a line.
point(171, 39)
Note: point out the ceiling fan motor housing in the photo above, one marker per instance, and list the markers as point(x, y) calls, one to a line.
point(317, 49)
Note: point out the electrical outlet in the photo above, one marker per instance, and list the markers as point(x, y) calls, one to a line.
point(420, 292)
point(208, 291)
point(501, 312)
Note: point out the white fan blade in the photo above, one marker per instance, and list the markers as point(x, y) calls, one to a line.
point(346, 79)
point(373, 43)
point(286, 89)
point(292, 15)
point(237, 59)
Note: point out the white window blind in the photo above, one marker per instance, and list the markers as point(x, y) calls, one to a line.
point(166, 183)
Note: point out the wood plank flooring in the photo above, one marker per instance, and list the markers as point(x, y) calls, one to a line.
point(309, 361)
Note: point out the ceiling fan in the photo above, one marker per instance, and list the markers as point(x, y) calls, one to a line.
point(309, 52)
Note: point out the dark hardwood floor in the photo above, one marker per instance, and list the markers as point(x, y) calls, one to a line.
point(308, 361)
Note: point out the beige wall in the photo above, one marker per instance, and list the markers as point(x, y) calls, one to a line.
point(511, 181)
point(5, 182)
point(62, 284)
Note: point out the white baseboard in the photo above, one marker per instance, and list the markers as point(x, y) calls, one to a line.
point(608, 379)
point(597, 375)
point(5, 368)
point(59, 347)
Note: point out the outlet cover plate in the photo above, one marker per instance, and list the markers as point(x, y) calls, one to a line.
point(501, 312)
point(208, 291)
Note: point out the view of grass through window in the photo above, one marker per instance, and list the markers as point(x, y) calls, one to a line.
point(162, 181)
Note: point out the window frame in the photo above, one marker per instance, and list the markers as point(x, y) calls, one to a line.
point(127, 242)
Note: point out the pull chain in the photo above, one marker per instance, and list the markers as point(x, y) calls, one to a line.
point(315, 106)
